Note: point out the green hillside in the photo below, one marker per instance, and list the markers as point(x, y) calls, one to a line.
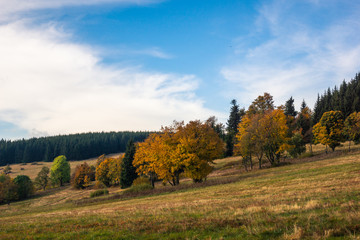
point(314, 198)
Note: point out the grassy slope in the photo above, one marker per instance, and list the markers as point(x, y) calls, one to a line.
point(315, 200)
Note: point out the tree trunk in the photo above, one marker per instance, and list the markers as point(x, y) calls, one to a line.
point(251, 163)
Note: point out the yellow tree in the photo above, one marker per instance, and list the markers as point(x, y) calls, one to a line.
point(274, 129)
point(198, 145)
point(109, 171)
point(179, 148)
point(352, 127)
point(147, 156)
point(329, 130)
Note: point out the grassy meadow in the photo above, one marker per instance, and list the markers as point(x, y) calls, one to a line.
point(311, 198)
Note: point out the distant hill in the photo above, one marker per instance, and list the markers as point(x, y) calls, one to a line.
point(73, 146)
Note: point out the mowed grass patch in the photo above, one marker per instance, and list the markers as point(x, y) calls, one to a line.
point(312, 200)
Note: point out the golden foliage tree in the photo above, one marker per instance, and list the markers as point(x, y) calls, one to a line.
point(262, 132)
point(329, 130)
point(179, 148)
point(81, 178)
point(352, 127)
point(108, 171)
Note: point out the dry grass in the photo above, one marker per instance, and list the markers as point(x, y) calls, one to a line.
point(32, 169)
point(311, 200)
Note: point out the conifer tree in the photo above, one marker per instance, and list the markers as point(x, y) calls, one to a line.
point(290, 108)
point(128, 171)
point(232, 126)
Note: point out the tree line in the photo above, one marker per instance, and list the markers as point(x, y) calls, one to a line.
point(345, 98)
point(74, 146)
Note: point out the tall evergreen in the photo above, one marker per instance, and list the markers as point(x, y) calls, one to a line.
point(128, 171)
point(232, 126)
point(290, 108)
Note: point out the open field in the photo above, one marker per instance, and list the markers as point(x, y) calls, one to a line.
point(314, 199)
point(32, 169)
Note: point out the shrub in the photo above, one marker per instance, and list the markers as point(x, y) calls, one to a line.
point(139, 188)
point(141, 180)
point(25, 186)
point(99, 192)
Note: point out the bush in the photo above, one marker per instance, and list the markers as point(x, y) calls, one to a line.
point(139, 188)
point(141, 180)
point(99, 193)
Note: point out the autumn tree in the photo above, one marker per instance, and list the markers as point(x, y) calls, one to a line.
point(81, 177)
point(60, 171)
point(329, 130)
point(24, 186)
point(109, 171)
point(188, 148)
point(147, 156)
point(352, 127)
point(199, 145)
point(8, 189)
point(128, 171)
point(42, 179)
point(261, 104)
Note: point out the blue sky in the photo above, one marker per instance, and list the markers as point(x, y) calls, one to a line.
point(70, 66)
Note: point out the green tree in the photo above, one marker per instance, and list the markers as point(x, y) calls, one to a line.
point(42, 179)
point(60, 171)
point(290, 108)
point(128, 171)
point(329, 130)
point(232, 126)
point(297, 145)
point(24, 186)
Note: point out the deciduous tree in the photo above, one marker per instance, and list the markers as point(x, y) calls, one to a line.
point(42, 178)
point(24, 186)
point(352, 127)
point(329, 130)
point(60, 171)
point(81, 177)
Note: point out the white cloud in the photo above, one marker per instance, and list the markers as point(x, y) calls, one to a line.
point(298, 58)
point(9, 8)
point(49, 84)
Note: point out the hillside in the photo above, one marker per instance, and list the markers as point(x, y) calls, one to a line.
point(314, 198)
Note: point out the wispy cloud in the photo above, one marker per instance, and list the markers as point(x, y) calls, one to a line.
point(298, 57)
point(49, 84)
point(9, 8)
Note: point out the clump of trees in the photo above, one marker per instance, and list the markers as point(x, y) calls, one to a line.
point(262, 132)
point(180, 148)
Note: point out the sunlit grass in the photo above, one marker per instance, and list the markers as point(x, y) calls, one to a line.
point(311, 200)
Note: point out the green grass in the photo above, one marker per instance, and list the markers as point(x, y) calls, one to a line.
point(310, 200)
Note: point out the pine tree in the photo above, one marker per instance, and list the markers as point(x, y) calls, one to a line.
point(128, 171)
point(290, 108)
point(232, 127)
